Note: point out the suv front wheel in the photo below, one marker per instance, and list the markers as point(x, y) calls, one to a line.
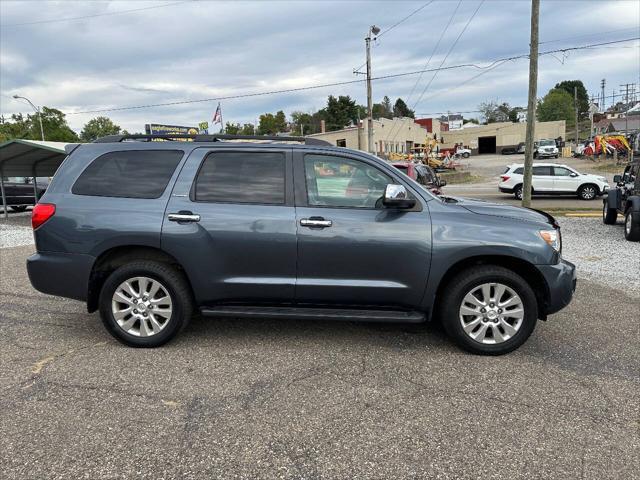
point(489, 310)
point(145, 304)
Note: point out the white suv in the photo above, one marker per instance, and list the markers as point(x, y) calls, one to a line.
point(553, 179)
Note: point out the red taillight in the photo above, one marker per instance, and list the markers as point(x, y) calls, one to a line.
point(41, 213)
point(504, 177)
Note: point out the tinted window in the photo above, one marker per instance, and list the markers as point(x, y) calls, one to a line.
point(519, 171)
point(542, 170)
point(562, 172)
point(352, 184)
point(242, 177)
point(129, 174)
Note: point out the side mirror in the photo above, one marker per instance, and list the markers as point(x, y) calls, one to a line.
point(396, 196)
point(617, 178)
point(574, 175)
point(443, 183)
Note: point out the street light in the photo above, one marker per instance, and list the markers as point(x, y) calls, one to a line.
point(37, 109)
point(373, 30)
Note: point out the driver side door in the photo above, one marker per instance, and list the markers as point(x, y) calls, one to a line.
point(352, 251)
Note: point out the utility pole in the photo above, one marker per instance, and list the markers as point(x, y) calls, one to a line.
point(603, 82)
point(575, 106)
point(531, 105)
point(626, 110)
point(372, 30)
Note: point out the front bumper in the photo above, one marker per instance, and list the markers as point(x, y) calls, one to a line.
point(61, 274)
point(561, 280)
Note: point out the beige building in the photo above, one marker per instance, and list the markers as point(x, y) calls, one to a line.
point(494, 137)
point(398, 135)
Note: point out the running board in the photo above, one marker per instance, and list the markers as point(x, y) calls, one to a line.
point(302, 313)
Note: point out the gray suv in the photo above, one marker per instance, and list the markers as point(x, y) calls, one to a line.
point(152, 232)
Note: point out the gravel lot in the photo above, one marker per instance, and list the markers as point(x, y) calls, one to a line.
point(286, 399)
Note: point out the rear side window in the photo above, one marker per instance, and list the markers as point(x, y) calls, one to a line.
point(546, 171)
point(129, 174)
point(519, 171)
point(235, 177)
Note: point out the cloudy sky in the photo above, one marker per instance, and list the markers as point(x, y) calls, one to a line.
point(173, 51)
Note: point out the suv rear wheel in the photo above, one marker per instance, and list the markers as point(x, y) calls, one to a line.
point(489, 310)
point(631, 227)
point(517, 191)
point(145, 304)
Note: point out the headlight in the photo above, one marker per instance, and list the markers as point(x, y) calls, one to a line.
point(553, 238)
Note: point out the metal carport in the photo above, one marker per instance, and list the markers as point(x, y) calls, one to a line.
point(29, 158)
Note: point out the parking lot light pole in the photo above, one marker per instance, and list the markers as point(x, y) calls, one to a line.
point(37, 110)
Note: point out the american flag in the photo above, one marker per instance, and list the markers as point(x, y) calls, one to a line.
point(217, 117)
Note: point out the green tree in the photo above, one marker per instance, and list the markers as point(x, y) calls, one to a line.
point(232, 128)
point(98, 127)
point(247, 129)
point(556, 105)
point(271, 124)
point(53, 122)
point(400, 109)
point(498, 112)
point(583, 97)
point(340, 112)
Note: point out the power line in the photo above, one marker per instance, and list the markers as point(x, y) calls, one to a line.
point(594, 34)
point(346, 82)
point(435, 49)
point(404, 19)
point(356, 70)
point(435, 74)
point(106, 14)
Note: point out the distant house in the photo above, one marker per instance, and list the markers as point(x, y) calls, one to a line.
point(521, 116)
point(617, 125)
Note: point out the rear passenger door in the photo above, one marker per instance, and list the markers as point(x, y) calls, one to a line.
point(230, 222)
point(542, 179)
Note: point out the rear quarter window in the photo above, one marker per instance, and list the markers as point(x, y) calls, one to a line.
point(519, 171)
point(128, 174)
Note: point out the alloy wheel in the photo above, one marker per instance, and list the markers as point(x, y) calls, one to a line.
point(588, 193)
point(141, 306)
point(491, 313)
point(627, 224)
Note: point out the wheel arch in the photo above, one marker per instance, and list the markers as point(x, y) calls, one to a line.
point(113, 258)
point(517, 265)
point(632, 202)
point(592, 184)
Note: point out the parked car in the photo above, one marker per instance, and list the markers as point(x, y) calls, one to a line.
point(546, 148)
point(462, 152)
point(513, 150)
point(624, 199)
point(423, 174)
point(19, 191)
point(150, 232)
point(553, 179)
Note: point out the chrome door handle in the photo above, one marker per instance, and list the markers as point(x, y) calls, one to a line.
point(183, 217)
point(315, 222)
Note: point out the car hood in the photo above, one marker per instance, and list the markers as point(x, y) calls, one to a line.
point(482, 207)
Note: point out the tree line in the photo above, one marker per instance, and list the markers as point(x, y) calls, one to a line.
point(339, 112)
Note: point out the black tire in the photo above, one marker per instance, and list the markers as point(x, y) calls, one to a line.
point(609, 215)
point(555, 156)
point(462, 284)
point(176, 286)
point(588, 191)
point(632, 226)
point(517, 192)
point(18, 208)
point(466, 154)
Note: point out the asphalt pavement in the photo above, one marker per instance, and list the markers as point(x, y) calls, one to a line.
point(298, 399)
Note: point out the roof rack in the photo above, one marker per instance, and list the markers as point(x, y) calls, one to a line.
point(209, 138)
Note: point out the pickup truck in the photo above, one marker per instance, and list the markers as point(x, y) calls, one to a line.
point(19, 191)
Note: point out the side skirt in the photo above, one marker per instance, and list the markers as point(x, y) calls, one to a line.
point(308, 313)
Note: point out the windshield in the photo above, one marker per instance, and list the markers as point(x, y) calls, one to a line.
point(548, 143)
